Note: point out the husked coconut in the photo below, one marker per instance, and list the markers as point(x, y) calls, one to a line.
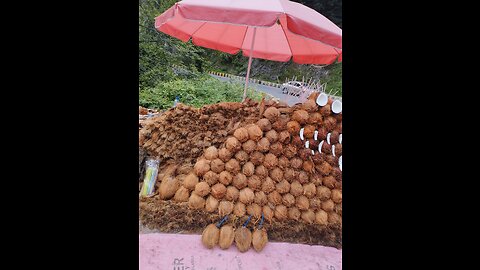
point(225, 208)
point(190, 181)
point(290, 174)
point(168, 187)
point(329, 181)
point(308, 216)
point(261, 171)
point(260, 198)
point(294, 213)
point(263, 145)
point(284, 136)
point(239, 209)
point(336, 196)
point(334, 218)
point(241, 156)
point(272, 136)
point(255, 133)
point(254, 182)
point(259, 239)
point(246, 196)
point(267, 212)
point(276, 149)
point(264, 124)
point(288, 200)
point(211, 205)
point(323, 193)
point(218, 190)
point(232, 166)
point(257, 158)
point(270, 161)
point(227, 235)
point(283, 187)
point(293, 127)
point(225, 178)
point(268, 185)
point(296, 163)
point(211, 153)
point(249, 146)
point(328, 206)
point(274, 197)
point(303, 177)
point(321, 217)
point(283, 162)
point(300, 116)
point(289, 151)
point(181, 195)
point(302, 202)
point(248, 169)
point(196, 202)
point(224, 154)
point(201, 167)
point(243, 239)
point(202, 189)
point(276, 174)
point(211, 178)
point(254, 210)
point(240, 181)
point(309, 190)
point(281, 212)
point(210, 236)
point(271, 113)
point(217, 165)
point(232, 193)
point(241, 134)
point(232, 144)
point(296, 189)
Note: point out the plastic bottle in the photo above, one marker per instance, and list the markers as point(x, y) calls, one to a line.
point(176, 101)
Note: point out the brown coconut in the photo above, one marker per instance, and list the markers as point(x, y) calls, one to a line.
point(302, 202)
point(276, 149)
point(290, 174)
point(334, 218)
point(181, 195)
point(239, 181)
point(309, 131)
point(315, 203)
point(293, 127)
point(339, 117)
point(338, 127)
point(283, 162)
point(210, 236)
point(324, 168)
point(314, 145)
point(296, 163)
point(257, 158)
point(218, 191)
point(227, 235)
point(190, 181)
point(246, 196)
point(211, 153)
point(261, 171)
point(225, 178)
point(264, 124)
point(308, 216)
point(321, 217)
point(202, 189)
point(305, 153)
point(268, 185)
point(272, 114)
point(243, 239)
point(168, 187)
point(254, 182)
point(318, 158)
point(255, 133)
point(338, 150)
point(201, 167)
point(336, 196)
point(309, 190)
point(296, 189)
point(267, 212)
point(241, 156)
point(289, 151)
point(308, 166)
point(283, 187)
point(270, 161)
point(326, 110)
point(334, 138)
point(329, 123)
point(217, 165)
point(232, 193)
point(300, 116)
point(196, 202)
point(316, 179)
point(323, 193)
point(328, 205)
point(211, 204)
point(263, 145)
point(322, 133)
point(281, 212)
point(259, 239)
point(288, 200)
point(225, 208)
point(224, 154)
point(211, 178)
point(338, 208)
point(232, 144)
point(241, 134)
point(310, 106)
point(284, 137)
point(276, 174)
point(272, 136)
point(232, 166)
point(239, 209)
point(248, 169)
point(314, 119)
point(294, 213)
point(303, 177)
point(260, 198)
point(326, 148)
point(329, 181)
point(274, 198)
point(254, 210)
point(249, 146)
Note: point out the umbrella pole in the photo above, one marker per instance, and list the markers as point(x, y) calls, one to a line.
point(249, 64)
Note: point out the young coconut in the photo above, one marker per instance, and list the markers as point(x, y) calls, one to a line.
point(232, 193)
point(259, 237)
point(211, 153)
point(225, 178)
point(241, 134)
point(211, 205)
point(243, 237)
point(227, 235)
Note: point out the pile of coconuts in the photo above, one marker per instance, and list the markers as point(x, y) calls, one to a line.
point(262, 167)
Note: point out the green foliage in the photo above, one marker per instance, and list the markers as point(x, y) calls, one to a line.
point(334, 79)
point(195, 92)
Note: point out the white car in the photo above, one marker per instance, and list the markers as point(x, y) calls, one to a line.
point(294, 88)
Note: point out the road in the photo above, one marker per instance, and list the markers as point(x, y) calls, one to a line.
point(276, 92)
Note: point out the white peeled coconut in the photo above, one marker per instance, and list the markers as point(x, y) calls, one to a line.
point(340, 162)
point(337, 106)
point(322, 99)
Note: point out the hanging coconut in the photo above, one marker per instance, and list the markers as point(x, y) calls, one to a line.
point(224, 154)
point(249, 146)
point(190, 181)
point(227, 235)
point(257, 158)
point(232, 166)
point(225, 208)
point(268, 185)
point(241, 134)
point(210, 236)
point(240, 181)
point(211, 204)
point(288, 200)
point(211, 178)
point(196, 202)
point(232, 144)
point(211, 153)
point(264, 124)
point(225, 178)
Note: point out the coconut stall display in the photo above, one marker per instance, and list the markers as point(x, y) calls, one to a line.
point(244, 174)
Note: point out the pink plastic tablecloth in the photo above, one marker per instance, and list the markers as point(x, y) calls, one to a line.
point(182, 252)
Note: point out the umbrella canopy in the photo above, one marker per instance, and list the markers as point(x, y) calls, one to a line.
point(277, 30)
